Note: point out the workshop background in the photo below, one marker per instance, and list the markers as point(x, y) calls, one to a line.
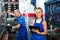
point(51, 9)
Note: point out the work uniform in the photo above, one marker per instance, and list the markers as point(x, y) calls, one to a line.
point(35, 36)
point(22, 32)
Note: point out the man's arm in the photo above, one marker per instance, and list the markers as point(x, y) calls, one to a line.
point(17, 26)
point(9, 12)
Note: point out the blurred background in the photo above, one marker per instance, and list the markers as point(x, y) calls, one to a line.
point(51, 9)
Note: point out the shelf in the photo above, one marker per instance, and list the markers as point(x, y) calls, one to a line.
point(11, 2)
point(51, 2)
point(0, 2)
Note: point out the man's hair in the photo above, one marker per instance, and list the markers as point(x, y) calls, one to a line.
point(16, 10)
point(39, 8)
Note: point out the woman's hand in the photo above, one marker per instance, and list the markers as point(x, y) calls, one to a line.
point(36, 30)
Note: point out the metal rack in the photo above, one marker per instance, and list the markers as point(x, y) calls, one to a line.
point(52, 10)
point(3, 16)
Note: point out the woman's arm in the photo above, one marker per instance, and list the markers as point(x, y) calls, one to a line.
point(32, 22)
point(45, 29)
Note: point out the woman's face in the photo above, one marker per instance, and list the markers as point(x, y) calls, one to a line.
point(38, 13)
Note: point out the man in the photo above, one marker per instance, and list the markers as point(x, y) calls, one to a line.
point(22, 32)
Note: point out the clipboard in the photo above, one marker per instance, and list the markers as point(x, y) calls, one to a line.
point(34, 27)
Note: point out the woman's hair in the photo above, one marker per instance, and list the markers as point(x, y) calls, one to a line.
point(41, 11)
point(39, 8)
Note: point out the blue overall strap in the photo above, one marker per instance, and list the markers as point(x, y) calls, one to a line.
point(41, 20)
point(35, 21)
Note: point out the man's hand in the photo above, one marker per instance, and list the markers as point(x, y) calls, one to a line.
point(13, 27)
point(17, 26)
point(9, 11)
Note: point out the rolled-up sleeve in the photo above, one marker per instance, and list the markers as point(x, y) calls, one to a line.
point(21, 21)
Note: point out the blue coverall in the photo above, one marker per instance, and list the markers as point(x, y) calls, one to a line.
point(35, 36)
point(22, 31)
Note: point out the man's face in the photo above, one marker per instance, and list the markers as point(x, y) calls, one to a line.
point(16, 13)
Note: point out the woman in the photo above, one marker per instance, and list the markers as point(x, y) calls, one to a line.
point(38, 21)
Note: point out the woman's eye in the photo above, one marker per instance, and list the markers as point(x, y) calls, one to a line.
point(38, 12)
